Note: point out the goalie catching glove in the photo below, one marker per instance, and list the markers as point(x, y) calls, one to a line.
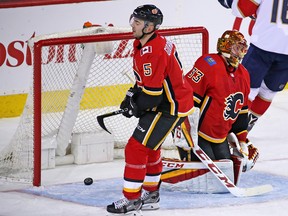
point(246, 150)
point(250, 155)
point(129, 103)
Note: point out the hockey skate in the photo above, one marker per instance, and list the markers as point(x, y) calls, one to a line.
point(150, 200)
point(125, 207)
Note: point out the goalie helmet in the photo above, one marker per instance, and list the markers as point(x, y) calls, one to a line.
point(149, 13)
point(233, 46)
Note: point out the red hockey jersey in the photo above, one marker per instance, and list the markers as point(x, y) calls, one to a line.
point(158, 71)
point(221, 96)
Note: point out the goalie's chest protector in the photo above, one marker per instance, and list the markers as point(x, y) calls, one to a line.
point(158, 71)
point(221, 95)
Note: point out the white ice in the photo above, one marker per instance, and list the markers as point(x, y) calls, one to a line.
point(270, 135)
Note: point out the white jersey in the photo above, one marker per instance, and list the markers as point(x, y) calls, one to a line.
point(270, 31)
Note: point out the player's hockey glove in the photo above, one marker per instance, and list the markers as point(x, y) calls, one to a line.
point(226, 3)
point(250, 155)
point(129, 103)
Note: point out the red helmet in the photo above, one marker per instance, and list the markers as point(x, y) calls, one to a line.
point(233, 46)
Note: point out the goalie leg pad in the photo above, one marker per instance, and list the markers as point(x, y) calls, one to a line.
point(187, 134)
point(179, 175)
point(198, 180)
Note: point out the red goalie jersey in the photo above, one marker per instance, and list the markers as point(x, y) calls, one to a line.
point(222, 97)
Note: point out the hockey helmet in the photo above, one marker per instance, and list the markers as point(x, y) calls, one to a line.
point(149, 13)
point(233, 46)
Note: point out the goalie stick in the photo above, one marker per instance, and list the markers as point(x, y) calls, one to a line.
point(221, 176)
point(217, 172)
point(100, 118)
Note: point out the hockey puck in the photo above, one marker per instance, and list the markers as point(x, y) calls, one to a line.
point(88, 181)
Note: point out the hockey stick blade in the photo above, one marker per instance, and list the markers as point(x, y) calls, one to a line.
point(226, 182)
point(100, 118)
point(253, 191)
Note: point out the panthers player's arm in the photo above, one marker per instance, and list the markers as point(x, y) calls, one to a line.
point(240, 125)
point(244, 8)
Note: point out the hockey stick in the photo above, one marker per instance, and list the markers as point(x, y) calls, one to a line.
point(217, 172)
point(128, 76)
point(100, 118)
point(226, 182)
point(222, 177)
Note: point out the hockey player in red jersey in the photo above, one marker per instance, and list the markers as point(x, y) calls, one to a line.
point(161, 99)
point(221, 87)
point(267, 57)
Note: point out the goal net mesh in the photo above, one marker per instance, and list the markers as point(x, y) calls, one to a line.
point(84, 74)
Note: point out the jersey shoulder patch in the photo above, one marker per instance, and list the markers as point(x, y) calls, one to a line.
point(210, 60)
point(145, 50)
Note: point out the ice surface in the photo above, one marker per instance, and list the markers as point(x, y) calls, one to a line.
point(64, 193)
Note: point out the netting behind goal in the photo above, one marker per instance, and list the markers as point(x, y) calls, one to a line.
point(76, 77)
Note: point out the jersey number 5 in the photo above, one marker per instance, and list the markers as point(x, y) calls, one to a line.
point(147, 69)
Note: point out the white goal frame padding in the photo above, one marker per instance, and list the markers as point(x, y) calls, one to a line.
point(73, 104)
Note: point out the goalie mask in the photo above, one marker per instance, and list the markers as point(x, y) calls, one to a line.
point(148, 13)
point(233, 46)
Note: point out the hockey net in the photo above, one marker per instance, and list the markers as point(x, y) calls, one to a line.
point(77, 76)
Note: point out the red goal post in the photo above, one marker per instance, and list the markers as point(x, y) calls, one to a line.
point(77, 76)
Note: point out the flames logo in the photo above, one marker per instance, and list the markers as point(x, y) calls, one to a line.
point(234, 103)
